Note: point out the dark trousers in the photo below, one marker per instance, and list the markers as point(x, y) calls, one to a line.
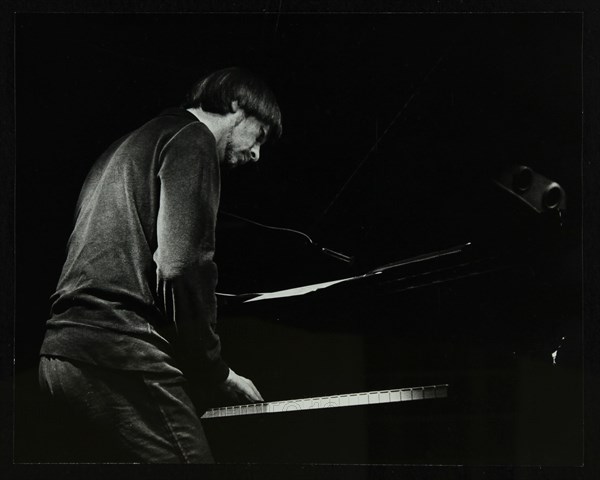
point(102, 415)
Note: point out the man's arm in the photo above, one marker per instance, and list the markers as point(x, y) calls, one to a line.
point(186, 273)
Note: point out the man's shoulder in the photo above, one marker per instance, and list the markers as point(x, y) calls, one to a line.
point(173, 118)
point(178, 113)
point(180, 122)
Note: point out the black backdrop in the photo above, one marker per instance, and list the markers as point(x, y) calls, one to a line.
point(426, 104)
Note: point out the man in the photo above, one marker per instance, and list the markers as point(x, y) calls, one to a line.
point(134, 314)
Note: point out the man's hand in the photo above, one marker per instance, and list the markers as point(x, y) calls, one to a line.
point(239, 390)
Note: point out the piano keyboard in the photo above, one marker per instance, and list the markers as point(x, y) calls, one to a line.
point(333, 401)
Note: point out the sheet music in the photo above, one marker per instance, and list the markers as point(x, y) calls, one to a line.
point(303, 290)
point(292, 292)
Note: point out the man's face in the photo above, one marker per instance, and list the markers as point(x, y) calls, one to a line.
point(244, 141)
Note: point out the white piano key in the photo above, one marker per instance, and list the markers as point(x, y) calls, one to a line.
point(384, 397)
point(441, 391)
point(417, 394)
point(290, 406)
point(406, 394)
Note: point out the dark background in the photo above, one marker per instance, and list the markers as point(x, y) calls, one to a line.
point(430, 107)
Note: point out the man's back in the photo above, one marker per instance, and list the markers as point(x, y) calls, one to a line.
point(107, 289)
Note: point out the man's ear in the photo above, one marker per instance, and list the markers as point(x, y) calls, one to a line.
point(237, 112)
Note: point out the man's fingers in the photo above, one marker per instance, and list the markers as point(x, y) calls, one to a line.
point(242, 388)
point(252, 391)
point(257, 395)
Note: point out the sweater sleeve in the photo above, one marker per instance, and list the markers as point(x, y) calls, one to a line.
point(186, 273)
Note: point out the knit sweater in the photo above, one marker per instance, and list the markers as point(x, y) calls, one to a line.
point(137, 290)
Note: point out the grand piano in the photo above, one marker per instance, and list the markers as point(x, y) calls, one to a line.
point(467, 354)
point(417, 232)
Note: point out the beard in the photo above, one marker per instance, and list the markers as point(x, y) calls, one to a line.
point(231, 157)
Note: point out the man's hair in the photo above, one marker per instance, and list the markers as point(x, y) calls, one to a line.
point(216, 92)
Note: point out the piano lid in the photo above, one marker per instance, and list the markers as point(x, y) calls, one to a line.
point(395, 269)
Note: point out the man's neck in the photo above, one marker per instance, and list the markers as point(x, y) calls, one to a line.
point(219, 125)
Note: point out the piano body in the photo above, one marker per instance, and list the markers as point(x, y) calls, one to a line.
point(481, 335)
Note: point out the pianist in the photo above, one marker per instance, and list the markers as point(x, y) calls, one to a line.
point(133, 317)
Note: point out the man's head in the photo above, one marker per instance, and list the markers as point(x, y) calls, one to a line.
point(249, 107)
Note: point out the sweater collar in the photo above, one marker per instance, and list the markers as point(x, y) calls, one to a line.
point(179, 112)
